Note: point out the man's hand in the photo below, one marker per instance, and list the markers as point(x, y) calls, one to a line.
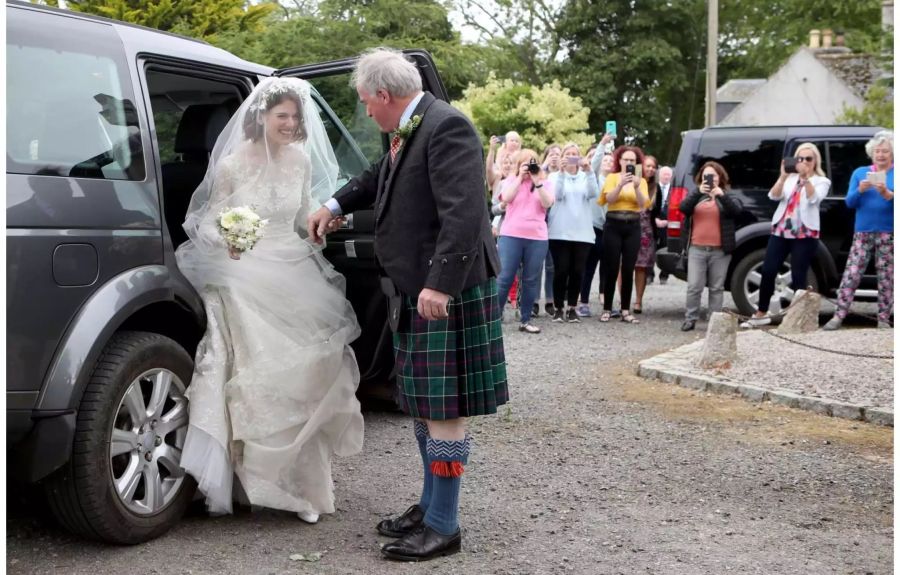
point(321, 222)
point(433, 304)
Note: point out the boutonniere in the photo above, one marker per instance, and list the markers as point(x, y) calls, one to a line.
point(406, 130)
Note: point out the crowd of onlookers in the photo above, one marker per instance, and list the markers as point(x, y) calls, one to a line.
point(567, 214)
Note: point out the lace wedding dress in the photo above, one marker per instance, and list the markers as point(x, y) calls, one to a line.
point(273, 392)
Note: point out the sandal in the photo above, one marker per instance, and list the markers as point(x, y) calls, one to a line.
point(636, 308)
point(604, 317)
point(628, 318)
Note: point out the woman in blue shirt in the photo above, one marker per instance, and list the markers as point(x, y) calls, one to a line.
point(571, 228)
point(871, 194)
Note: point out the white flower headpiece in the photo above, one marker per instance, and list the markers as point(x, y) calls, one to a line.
point(272, 87)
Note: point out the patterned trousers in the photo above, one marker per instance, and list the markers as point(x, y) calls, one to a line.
point(864, 244)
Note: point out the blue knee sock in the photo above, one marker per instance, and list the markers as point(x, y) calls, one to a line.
point(421, 430)
point(447, 461)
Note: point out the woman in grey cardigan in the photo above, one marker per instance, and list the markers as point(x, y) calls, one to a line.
point(708, 233)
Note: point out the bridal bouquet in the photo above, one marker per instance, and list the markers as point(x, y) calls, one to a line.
point(241, 227)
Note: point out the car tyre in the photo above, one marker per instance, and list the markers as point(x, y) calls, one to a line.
point(745, 281)
point(83, 494)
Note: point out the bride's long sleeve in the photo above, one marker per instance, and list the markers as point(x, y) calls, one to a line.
point(221, 190)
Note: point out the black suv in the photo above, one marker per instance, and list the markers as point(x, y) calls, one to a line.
point(752, 157)
point(109, 130)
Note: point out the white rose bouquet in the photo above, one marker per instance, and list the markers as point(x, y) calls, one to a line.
point(241, 227)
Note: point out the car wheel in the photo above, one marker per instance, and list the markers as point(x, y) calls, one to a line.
point(124, 483)
point(747, 276)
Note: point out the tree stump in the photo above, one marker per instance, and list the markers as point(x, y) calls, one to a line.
point(720, 346)
point(802, 315)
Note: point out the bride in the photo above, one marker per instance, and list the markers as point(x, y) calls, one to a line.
point(272, 397)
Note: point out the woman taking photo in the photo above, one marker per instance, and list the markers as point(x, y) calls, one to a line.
point(871, 194)
point(570, 228)
point(601, 165)
point(509, 147)
point(523, 236)
point(795, 226)
point(647, 253)
point(625, 196)
point(708, 233)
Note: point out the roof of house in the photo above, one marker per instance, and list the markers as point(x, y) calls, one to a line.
point(858, 71)
point(738, 90)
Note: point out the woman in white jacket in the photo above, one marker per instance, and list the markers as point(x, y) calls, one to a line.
point(795, 226)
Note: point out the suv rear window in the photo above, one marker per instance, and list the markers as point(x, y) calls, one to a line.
point(68, 111)
point(750, 160)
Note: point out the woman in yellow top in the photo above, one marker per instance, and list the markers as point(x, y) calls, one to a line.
point(622, 231)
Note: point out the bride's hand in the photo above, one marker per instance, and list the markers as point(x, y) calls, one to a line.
point(233, 253)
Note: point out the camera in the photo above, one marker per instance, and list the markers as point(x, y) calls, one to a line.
point(790, 165)
point(533, 167)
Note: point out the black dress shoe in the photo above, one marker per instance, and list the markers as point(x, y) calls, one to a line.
point(406, 523)
point(422, 544)
point(687, 325)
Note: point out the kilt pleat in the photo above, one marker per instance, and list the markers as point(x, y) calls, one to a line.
point(453, 367)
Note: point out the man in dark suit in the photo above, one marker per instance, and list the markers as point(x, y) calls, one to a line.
point(662, 223)
point(433, 242)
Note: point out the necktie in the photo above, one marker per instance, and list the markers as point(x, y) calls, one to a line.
point(395, 146)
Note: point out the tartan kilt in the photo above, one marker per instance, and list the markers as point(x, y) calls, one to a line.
point(454, 367)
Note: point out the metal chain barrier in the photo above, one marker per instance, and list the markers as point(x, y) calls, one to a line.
point(810, 346)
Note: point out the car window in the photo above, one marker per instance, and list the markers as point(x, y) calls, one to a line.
point(344, 101)
point(70, 109)
point(842, 158)
point(350, 163)
point(750, 160)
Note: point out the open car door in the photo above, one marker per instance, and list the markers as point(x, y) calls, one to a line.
point(357, 143)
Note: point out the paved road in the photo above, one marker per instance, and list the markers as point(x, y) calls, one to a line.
point(590, 470)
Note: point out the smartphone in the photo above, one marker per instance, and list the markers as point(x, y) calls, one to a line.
point(790, 165)
point(638, 172)
point(629, 169)
point(611, 128)
point(876, 177)
point(708, 180)
point(501, 139)
point(573, 160)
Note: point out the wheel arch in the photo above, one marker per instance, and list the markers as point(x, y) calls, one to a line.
point(147, 298)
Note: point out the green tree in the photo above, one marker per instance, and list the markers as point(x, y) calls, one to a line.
point(639, 62)
point(756, 38)
point(204, 19)
point(878, 109)
point(541, 114)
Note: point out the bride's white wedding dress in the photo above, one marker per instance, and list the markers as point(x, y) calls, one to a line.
point(273, 392)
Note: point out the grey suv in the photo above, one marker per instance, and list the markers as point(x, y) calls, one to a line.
point(109, 129)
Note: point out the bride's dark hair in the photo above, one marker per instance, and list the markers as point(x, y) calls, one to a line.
point(254, 126)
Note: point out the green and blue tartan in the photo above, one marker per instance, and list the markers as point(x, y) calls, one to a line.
point(454, 367)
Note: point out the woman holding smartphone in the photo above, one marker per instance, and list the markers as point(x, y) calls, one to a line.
point(795, 226)
point(647, 253)
point(625, 196)
point(871, 194)
point(571, 230)
point(525, 197)
point(708, 233)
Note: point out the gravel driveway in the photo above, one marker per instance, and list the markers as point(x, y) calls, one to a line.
point(590, 470)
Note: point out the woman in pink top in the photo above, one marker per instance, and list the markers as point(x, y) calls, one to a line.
point(525, 196)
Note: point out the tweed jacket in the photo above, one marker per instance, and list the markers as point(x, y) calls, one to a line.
point(432, 226)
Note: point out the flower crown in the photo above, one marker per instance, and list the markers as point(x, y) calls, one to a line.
point(272, 87)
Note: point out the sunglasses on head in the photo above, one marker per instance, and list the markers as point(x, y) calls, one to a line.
point(809, 159)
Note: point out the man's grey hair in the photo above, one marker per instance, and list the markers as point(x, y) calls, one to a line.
point(667, 168)
point(386, 69)
point(882, 137)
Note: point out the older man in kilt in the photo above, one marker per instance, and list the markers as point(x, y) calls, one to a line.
point(434, 244)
